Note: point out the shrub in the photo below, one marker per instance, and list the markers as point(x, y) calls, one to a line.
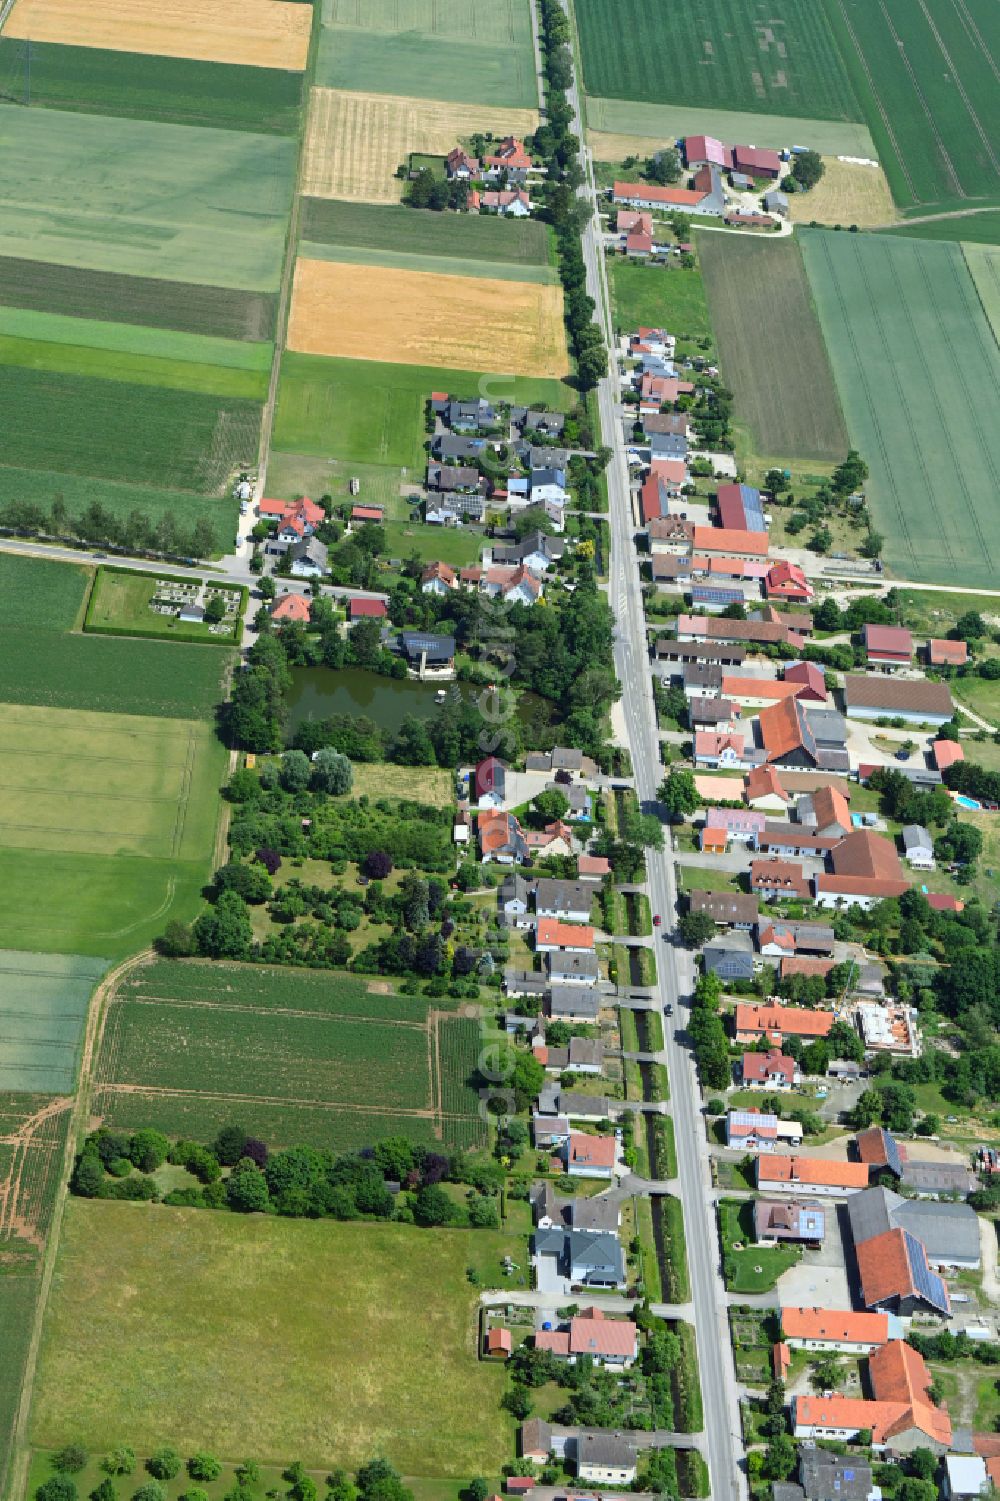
point(204, 1467)
point(164, 1463)
point(147, 1150)
point(120, 1461)
point(70, 1459)
point(57, 1488)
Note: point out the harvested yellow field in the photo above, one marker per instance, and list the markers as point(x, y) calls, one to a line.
point(256, 33)
point(610, 146)
point(846, 194)
point(418, 318)
point(355, 142)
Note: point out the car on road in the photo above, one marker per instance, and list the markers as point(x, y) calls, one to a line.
point(657, 920)
point(668, 1010)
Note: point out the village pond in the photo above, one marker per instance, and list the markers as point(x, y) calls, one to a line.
point(320, 692)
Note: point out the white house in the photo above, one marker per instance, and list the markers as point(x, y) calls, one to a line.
point(919, 847)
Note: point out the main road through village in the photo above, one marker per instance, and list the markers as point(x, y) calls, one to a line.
point(723, 1432)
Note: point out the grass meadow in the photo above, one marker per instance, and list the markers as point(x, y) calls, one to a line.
point(43, 1003)
point(222, 312)
point(789, 403)
point(925, 76)
point(135, 85)
point(655, 296)
point(187, 203)
point(297, 1058)
point(479, 52)
point(780, 58)
point(43, 486)
point(373, 412)
point(373, 1327)
point(918, 370)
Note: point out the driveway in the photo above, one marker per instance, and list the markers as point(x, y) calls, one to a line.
point(820, 1278)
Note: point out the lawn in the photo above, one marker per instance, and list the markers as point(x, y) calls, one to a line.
point(934, 612)
point(385, 227)
point(789, 403)
point(925, 77)
point(209, 1306)
point(918, 370)
point(706, 878)
point(43, 1002)
point(188, 203)
point(659, 296)
point(297, 1058)
point(224, 312)
point(455, 545)
point(425, 784)
point(373, 412)
point(779, 58)
point(121, 604)
point(479, 52)
point(744, 1277)
point(186, 91)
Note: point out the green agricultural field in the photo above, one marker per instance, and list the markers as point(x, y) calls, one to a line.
point(135, 85)
point(789, 403)
point(187, 203)
point(663, 123)
point(160, 345)
point(926, 78)
point(979, 228)
point(121, 604)
point(43, 1002)
point(983, 262)
point(136, 369)
point(47, 664)
point(18, 1295)
point(209, 1306)
point(224, 312)
point(373, 412)
point(467, 237)
point(780, 58)
point(43, 487)
point(297, 1057)
point(142, 434)
point(478, 52)
point(655, 296)
point(402, 260)
point(918, 370)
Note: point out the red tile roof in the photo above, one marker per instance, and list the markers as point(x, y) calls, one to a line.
point(763, 781)
point(591, 1151)
point(946, 752)
point(727, 539)
point(593, 865)
point(367, 513)
point(564, 935)
point(794, 965)
point(942, 903)
point(704, 149)
point(628, 192)
point(371, 608)
point(810, 677)
point(833, 1324)
point(822, 1172)
point(780, 731)
point(884, 1266)
point(786, 1021)
point(499, 1341)
point(947, 653)
point(759, 1067)
point(887, 641)
point(899, 1374)
point(291, 607)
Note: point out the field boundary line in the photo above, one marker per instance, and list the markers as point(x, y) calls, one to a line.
point(164, 1091)
point(327, 1016)
point(80, 1109)
point(990, 270)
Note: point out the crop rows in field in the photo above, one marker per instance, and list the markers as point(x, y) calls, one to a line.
point(223, 312)
point(775, 56)
point(459, 1041)
point(235, 1051)
point(790, 404)
point(135, 85)
point(117, 430)
point(17, 1311)
point(983, 262)
point(926, 73)
point(331, 993)
point(34, 1174)
point(918, 369)
point(390, 227)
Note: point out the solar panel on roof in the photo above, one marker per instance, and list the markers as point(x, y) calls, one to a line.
point(927, 1283)
point(704, 595)
point(892, 1156)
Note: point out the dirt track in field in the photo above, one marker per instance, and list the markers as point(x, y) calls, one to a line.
point(256, 33)
point(355, 142)
point(417, 318)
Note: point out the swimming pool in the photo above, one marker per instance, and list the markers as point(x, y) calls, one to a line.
point(966, 802)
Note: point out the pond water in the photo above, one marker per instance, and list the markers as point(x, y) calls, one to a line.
point(318, 692)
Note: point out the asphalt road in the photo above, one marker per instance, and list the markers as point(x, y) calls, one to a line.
point(723, 1434)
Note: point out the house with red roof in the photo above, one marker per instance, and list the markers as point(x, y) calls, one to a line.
point(367, 609)
point(700, 151)
point(788, 581)
point(753, 1021)
point(765, 792)
point(947, 653)
point(945, 753)
point(459, 164)
point(901, 1415)
point(887, 646)
point(810, 1175)
point(643, 196)
point(832, 1329)
point(306, 511)
point(864, 869)
point(375, 514)
point(499, 1342)
point(511, 158)
point(438, 578)
point(606, 1342)
point(510, 203)
point(811, 679)
point(590, 1156)
point(775, 879)
point(501, 838)
point(290, 608)
point(551, 935)
point(770, 1070)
